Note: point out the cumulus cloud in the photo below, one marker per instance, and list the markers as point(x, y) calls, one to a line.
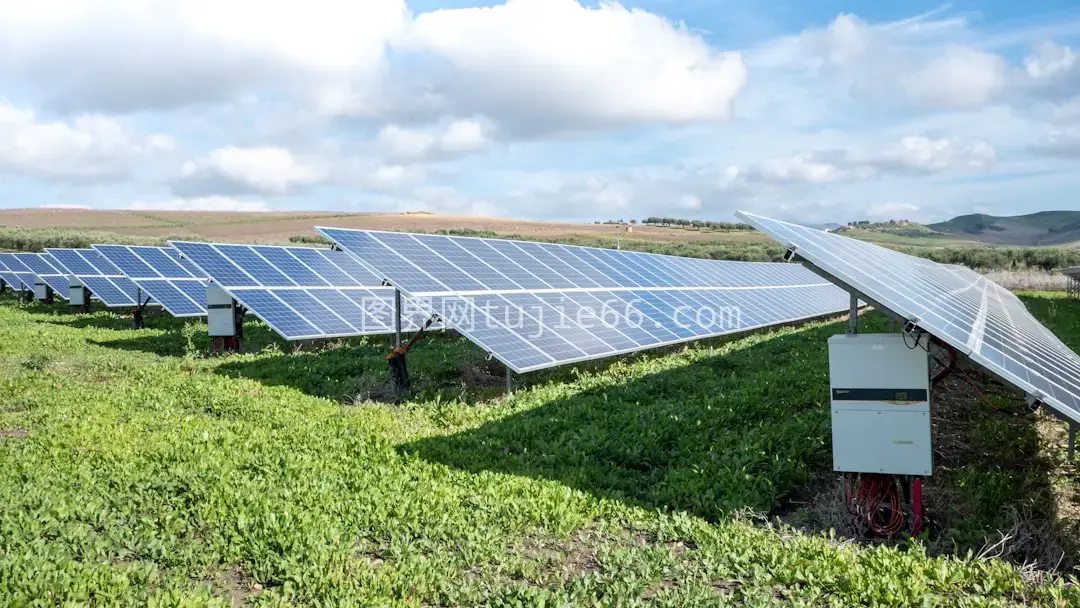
point(886, 62)
point(90, 147)
point(126, 55)
point(539, 65)
point(415, 144)
point(231, 170)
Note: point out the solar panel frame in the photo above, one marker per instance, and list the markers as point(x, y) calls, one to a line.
point(9, 277)
point(964, 327)
point(295, 286)
point(48, 272)
point(159, 273)
point(515, 274)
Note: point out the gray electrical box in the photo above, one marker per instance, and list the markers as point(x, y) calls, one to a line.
point(880, 405)
point(41, 290)
point(220, 312)
point(76, 293)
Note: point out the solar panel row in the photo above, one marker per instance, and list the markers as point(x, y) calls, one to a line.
point(104, 279)
point(538, 305)
point(161, 273)
point(979, 318)
point(301, 292)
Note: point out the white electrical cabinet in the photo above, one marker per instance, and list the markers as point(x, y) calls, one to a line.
point(880, 405)
point(41, 290)
point(220, 312)
point(76, 293)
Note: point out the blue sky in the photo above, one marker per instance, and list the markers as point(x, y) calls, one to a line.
point(546, 109)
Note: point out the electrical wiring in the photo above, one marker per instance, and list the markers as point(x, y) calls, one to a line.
point(874, 501)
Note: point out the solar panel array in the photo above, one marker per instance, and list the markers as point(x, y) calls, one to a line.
point(162, 274)
point(41, 264)
point(979, 318)
point(24, 277)
point(103, 278)
point(538, 305)
point(301, 292)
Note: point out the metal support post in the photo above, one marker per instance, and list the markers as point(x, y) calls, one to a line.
point(509, 381)
point(397, 318)
point(853, 316)
point(1072, 441)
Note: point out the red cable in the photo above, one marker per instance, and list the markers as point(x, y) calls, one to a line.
point(876, 502)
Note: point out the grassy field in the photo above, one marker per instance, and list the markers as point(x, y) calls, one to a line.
point(135, 470)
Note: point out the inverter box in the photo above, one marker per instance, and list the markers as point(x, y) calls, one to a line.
point(220, 312)
point(880, 397)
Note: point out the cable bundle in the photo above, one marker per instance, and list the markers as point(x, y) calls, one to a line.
point(874, 500)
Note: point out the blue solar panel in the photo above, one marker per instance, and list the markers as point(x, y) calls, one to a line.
point(214, 265)
point(536, 305)
point(129, 264)
point(177, 302)
point(164, 260)
point(302, 292)
point(73, 261)
point(104, 279)
point(159, 273)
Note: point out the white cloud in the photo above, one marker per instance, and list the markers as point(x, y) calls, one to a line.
point(124, 55)
point(89, 147)
point(913, 154)
point(959, 77)
point(264, 170)
point(547, 65)
point(412, 144)
point(201, 203)
point(1064, 143)
point(904, 61)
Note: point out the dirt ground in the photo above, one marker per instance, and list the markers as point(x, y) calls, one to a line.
point(279, 227)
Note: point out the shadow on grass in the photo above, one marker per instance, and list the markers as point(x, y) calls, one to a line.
point(750, 428)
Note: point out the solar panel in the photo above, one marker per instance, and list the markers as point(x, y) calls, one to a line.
point(24, 277)
point(974, 315)
point(160, 273)
point(99, 275)
point(539, 305)
point(44, 271)
point(302, 292)
point(9, 277)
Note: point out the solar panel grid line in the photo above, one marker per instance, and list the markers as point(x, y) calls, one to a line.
point(1014, 346)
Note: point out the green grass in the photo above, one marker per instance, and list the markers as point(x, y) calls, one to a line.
point(137, 471)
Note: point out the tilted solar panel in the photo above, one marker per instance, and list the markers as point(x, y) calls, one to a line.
point(24, 277)
point(977, 317)
point(103, 278)
point(160, 273)
point(44, 271)
point(538, 305)
point(301, 292)
point(9, 278)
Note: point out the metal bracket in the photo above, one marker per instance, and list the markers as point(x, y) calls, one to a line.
point(790, 254)
point(1034, 401)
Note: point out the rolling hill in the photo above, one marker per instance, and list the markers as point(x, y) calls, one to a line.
point(1045, 228)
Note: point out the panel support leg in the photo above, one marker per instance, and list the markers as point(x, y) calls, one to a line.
point(509, 381)
point(853, 316)
point(397, 318)
point(1072, 441)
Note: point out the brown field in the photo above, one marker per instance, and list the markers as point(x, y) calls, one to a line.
point(279, 227)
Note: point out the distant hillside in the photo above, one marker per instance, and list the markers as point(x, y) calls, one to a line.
point(1044, 228)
